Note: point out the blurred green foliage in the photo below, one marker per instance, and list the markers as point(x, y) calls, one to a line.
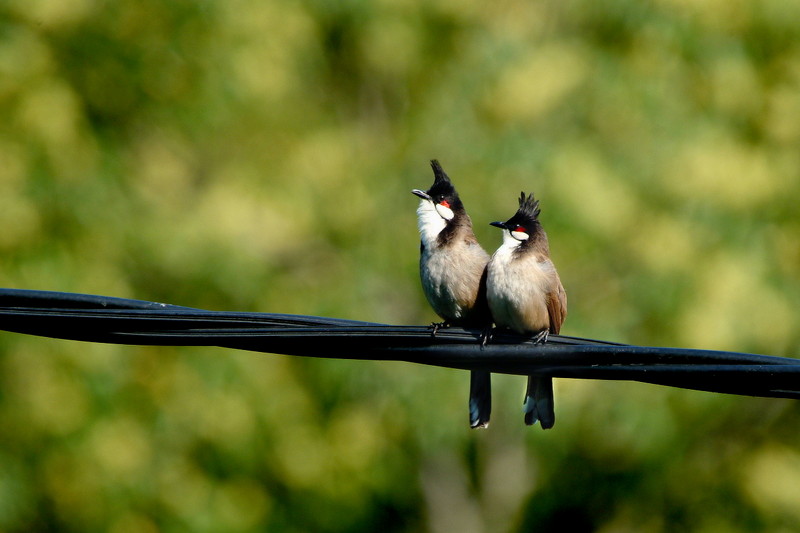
point(247, 155)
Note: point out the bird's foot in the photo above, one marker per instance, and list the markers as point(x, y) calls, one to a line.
point(541, 337)
point(436, 326)
point(486, 336)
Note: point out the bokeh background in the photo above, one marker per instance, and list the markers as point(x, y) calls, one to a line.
point(258, 156)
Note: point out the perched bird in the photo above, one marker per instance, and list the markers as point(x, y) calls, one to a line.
point(525, 295)
point(452, 266)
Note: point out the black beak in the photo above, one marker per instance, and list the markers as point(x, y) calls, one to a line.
point(421, 194)
point(501, 225)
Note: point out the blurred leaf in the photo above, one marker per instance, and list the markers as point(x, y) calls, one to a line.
point(246, 155)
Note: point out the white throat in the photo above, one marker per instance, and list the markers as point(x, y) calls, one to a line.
point(510, 242)
point(430, 222)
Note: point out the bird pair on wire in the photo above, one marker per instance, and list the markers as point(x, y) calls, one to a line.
point(517, 288)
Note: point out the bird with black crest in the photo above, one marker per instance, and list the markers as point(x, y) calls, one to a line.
point(452, 268)
point(525, 295)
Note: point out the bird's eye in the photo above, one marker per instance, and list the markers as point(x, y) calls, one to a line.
point(520, 229)
point(444, 203)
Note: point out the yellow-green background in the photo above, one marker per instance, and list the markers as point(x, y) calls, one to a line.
point(258, 156)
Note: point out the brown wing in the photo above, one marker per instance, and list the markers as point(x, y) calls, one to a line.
point(556, 304)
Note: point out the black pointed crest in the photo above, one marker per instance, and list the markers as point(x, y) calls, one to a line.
point(440, 176)
point(528, 207)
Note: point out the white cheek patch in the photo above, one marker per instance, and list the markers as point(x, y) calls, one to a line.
point(520, 235)
point(444, 212)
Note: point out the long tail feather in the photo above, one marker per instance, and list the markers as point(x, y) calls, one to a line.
point(480, 398)
point(539, 405)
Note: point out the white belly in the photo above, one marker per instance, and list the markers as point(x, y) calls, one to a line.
point(517, 292)
point(436, 271)
point(450, 279)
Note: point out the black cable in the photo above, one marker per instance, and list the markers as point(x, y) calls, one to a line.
point(123, 321)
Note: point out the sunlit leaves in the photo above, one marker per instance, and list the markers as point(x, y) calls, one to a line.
point(252, 155)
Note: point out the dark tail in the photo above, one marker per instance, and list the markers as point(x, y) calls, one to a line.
point(480, 398)
point(539, 401)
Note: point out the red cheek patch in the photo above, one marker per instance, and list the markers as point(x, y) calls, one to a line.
point(445, 203)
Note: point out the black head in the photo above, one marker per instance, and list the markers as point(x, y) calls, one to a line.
point(442, 191)
point(525, 221)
